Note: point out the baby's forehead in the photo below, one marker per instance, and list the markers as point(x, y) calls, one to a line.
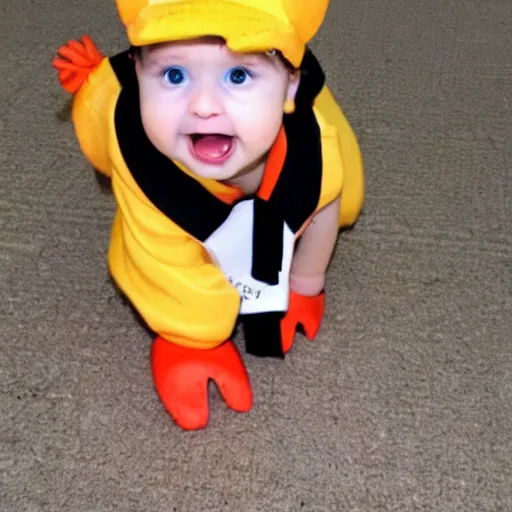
point(191, 47)
point(186, 43)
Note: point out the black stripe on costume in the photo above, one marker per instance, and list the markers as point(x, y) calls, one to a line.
point(262, 333)
point(123, 67)
point(174, 193)
point(297, 191)
point(312, 80)
point(267, 248)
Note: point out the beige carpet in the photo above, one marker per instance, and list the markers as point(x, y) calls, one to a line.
point(405, 401)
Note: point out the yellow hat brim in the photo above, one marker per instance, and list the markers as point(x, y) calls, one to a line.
point(243, 28)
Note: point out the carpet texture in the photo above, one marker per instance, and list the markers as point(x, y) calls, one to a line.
point(404, 403)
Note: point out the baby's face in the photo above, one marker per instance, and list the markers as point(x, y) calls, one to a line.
point(215, 111)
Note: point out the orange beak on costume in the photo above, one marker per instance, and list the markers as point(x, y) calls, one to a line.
point(245, 25)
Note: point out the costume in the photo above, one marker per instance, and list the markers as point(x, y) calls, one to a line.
point(193, 255)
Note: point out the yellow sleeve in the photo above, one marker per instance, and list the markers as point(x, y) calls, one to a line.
point(352, 193)
point(92, 106)
point(167, 275)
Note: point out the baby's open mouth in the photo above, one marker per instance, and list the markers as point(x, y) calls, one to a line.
point(211, 148)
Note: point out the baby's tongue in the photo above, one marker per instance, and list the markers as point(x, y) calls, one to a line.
point(212, 147)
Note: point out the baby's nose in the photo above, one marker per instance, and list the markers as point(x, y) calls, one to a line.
point(206, 102)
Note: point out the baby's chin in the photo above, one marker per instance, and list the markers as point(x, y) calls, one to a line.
point(217, 174)
point(224, 172)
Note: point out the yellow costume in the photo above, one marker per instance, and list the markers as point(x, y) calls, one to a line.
point(166, 274)
point(163, 267)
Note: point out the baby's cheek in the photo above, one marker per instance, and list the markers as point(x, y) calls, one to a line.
point(262, 128)
point(160, 127)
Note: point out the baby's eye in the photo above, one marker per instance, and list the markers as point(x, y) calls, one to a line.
point(238, 76)
point(174, 75)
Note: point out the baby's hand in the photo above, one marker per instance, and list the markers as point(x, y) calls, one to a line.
point(308, 286)
point(307, 311)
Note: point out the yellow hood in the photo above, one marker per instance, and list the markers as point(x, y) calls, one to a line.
point(246, 25)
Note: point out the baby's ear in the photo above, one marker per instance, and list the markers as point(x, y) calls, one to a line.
point(293, 85)
point(137, 60)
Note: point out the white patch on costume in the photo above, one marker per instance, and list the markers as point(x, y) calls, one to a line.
point(231, 246)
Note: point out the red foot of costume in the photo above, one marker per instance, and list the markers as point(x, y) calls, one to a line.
point(181, 377)
point(307, 311)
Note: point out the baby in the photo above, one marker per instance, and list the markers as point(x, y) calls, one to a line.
point(233, 169)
